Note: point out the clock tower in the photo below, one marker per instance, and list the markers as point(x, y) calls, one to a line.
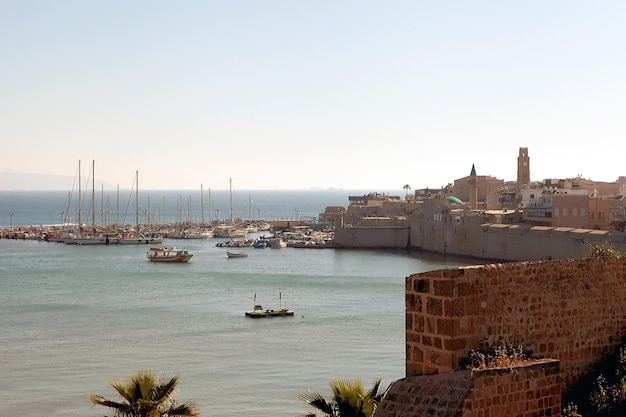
point(523, 169)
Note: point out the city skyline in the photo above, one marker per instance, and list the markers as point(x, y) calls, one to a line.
point(282, 95)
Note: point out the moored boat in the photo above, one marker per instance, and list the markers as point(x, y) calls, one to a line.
point(237, 254)
point(169, 254)
point(277, 243)
point(259, 311)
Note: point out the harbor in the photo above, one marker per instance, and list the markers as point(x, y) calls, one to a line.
point(72, 317)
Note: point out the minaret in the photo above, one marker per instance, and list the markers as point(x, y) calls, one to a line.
point(523, 169)
point(473, 183)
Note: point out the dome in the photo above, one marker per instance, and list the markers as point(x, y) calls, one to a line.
point(454, 200)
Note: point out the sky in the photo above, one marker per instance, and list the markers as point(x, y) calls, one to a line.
point(293, 94)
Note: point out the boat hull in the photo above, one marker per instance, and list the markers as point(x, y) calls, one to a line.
point(236, 254)
point(169, 255)
point(184, 258)
point(269, 313)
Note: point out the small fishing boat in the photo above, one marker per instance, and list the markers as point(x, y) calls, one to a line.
point(169, 254)
point(259, 311)
point(237, 254)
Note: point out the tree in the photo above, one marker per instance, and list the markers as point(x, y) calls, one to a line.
point(349, 399)
point(406, 187)
point(145, 395)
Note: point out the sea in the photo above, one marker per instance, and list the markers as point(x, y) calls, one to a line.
point(74, 317)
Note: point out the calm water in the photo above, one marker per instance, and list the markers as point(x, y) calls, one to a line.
point(72, 317)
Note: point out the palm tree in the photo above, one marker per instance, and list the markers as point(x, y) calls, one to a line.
point(406, 187)
point(145, 395)
point(349, 399)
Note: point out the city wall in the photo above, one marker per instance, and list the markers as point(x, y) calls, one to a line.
point(531, 389)
point(568, 310)
point(568, 314)
point(372, 237)
point(468, 236)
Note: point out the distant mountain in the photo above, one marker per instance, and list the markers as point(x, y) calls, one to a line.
point(21, 181)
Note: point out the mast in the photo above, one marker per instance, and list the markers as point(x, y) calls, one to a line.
point(80, 199)
point(137, 203)
point(93, 197)
point(102, 214)
point(230, 180)
point(189, 211)
point(118, 206)
point(201, 204)
point(209, 209)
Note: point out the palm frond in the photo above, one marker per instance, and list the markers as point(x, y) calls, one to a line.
point(99, 400)
point(186, 409)
point(316, 400)
point(166, 391)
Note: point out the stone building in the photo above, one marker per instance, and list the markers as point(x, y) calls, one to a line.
point(484, 186)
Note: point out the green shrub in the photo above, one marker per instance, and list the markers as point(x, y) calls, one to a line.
point(596, 251)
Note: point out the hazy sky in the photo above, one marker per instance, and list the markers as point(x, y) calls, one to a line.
point(294, 94)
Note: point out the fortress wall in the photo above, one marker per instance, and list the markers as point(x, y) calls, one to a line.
point(372, 237)
point(570, 310)
point(531, 389)
point(467, 236)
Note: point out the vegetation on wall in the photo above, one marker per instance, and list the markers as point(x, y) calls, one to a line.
point(499, 354)
point(603, 392)
point(605, 249)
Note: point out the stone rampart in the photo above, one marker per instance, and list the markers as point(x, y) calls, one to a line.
point(569, 310)
point(507, 242)
point(372, 237)
point(531, 389)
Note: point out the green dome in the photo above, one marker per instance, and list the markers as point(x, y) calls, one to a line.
point(454, 200)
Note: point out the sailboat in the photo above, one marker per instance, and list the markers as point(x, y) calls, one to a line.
point(230, 230)
point(137, 238)
point(94, 238)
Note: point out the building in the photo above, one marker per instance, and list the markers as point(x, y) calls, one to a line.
point(479, 187)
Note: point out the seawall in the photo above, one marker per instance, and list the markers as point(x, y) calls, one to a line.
point(506, 242)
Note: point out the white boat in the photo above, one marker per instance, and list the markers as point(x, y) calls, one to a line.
point(277, 243)
point(169, 254)
point(237, 254)
point(228, 231)
point(191, 234)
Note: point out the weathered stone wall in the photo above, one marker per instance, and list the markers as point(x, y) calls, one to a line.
point(372, 237)
point(570, 310)
point(531, 389)
point(466, 236)
point(445, 231)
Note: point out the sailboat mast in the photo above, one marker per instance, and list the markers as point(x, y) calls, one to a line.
point(117, 206)
point(137, 202)
point(230, 180)
point(201, 204)
point(93, 196)
point(80, 199)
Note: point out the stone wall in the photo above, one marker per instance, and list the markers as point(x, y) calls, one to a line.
point(458, 232)
point(570, 310)
point(466, 236)
point(372, 237)
point(531, 389)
